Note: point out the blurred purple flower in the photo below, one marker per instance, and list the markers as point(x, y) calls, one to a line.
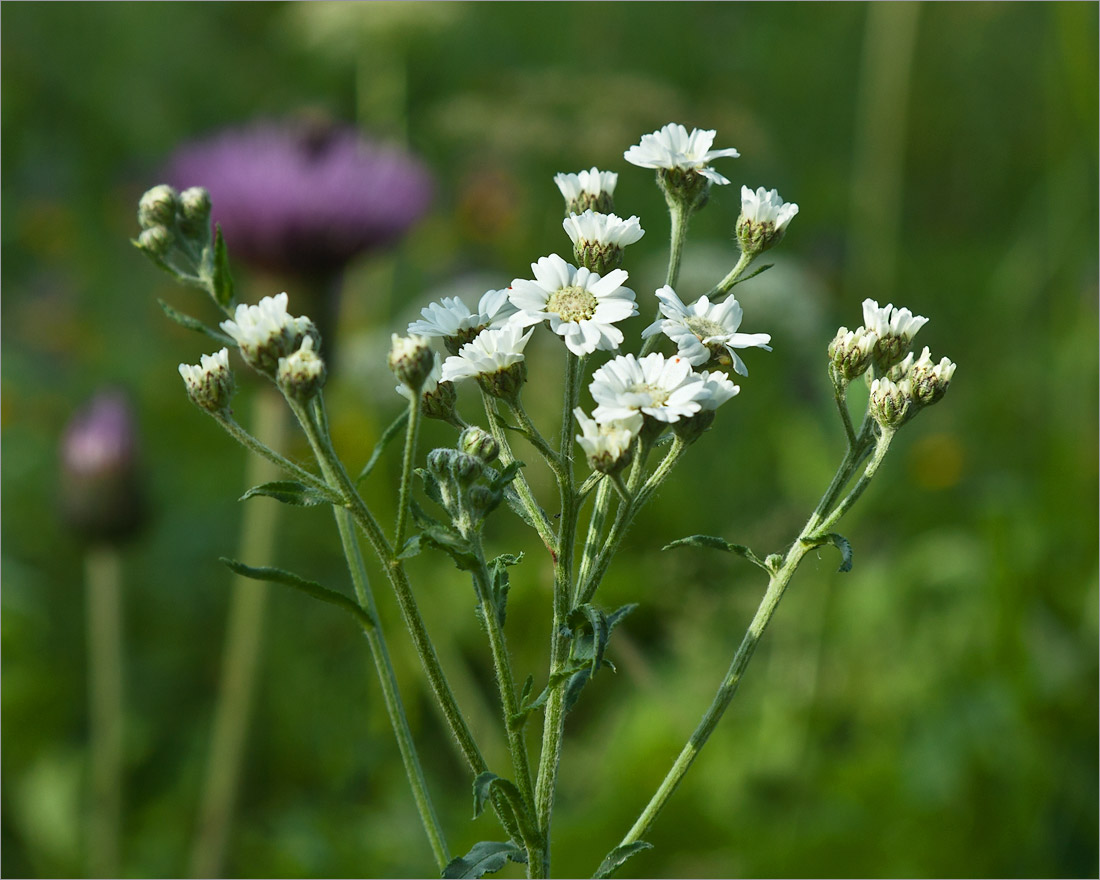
point(101, 496)
point(304, 197)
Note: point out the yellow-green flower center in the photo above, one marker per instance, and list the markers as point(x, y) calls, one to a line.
point(704, 327)
point(572, 304)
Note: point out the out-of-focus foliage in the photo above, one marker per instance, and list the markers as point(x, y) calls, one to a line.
point(931, 713)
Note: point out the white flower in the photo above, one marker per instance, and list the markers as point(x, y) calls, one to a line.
point(591, 228)
point(766, 206)
point(664, 388)
point(673, 147)
point(928, 380)
point(705, 330)
point(718, 389)
point(493, 351)
point(888, 321)
point(607, 445)
point(586, 185)
point(451, 319)
point(210, 382)
point(302, 373)
point(580, 305)
point(265, 332)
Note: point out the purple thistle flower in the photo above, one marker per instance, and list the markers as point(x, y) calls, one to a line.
point(304, 197)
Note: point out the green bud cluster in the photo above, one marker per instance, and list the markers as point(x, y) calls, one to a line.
point(174, 224)
point(466, 480)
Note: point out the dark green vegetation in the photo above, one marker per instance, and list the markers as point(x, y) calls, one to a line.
point(931, 713)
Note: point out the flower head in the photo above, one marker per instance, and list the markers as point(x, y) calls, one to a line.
point(452, 321)
point(587, 190)
point(210, 382)
point(302, 373)
point(607, 445)
point(891, 403)
point(665, 389)
point(764, 218)
point(411, 359)
point(581, 306)
point(599, 239)
point(895, 328)
point(265, 332)
point(495, 358)
point(437, 398)
point(929, 380)
point(306, 197)
point(673, 148)
point(850, 352)
point(705, 331)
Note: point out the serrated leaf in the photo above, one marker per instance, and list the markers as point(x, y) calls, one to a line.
point(482, 789)
point(431, 485)
point(486, 857)
point(310, 588)
point(499, 583)
point(392, 430)
point(845, 548)
point(504, 477)
point(617, 856)
point(196, 325)
point(223, 280)
point(710, 542)
point(442, 537)
point(289, 492)
point(759, 271)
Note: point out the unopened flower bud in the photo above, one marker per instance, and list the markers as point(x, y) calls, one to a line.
point(439, 463)
point(480, 444)
point(411, 359)
point(194, 204)
point(929, 381)
point(210, 382)
point(156, 241)
point(302, 373)
point(482, 500)
point(850, 352)
point(763, 220)
point(101, 494)
point(158, 207)
point(465, 468)
point(891, 404)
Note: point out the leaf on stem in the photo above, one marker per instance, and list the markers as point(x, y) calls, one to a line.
point(442, 537)
point(290, 492)
point(617, 856)
point(712, 543)
point(486, 857)
point(590, 628)
point(196, 325)
point(498, 582)
point(223, 281)
point(310, 588)
point(845, 548)
point(395, 427)
point(759, 271)
point(431, 485)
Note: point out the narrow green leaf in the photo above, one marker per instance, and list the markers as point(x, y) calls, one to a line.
point(712, 543)
point(444, 538)
point(486, 857)
point(575, 686)
point(482, 790)
point(499, 583)
point(431, 485)
point(617, 856)
point(759, 271)
point(290, 492)
point(841, 544)
point(505, 477)
point(393, 429)
point(310, 588)
point(223, 280)
point(196, 325)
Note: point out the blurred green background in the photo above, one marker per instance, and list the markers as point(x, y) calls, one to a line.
point(932, 713)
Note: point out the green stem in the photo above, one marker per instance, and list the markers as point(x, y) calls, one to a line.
point(864, 481)
point(535, 438)
point(390, 694)
point(411, 430)
point(104, 619)
point(716, 293)
point(840, 396)
point(594, 539)
point(255, 445)
point(243, 639)
point(678, 216)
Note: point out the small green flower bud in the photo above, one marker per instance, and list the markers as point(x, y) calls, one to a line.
point(156, 241)
point(891, 404)
point(480, 444)
point(411, 360)
point(210, 382)
point(439, 403)
point(158, 207)
point(302, 373)
point(763, 220)
point(465, 468)
point(506, 382)
point(850, 352)
point(439, 463)
point(482, 500)
point(194, 205)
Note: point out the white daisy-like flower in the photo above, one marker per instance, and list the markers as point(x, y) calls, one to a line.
point(492, 351)
point(718, 389)
point(673, 147)
point(888, 321)
point(587, 189)
point(451, 320)
point(607, 445)
point(581, 306)
point(210, 381)
point(665, 389)
point(265, 332)
point(766, 206)
point(705, 330)
point(604, 230)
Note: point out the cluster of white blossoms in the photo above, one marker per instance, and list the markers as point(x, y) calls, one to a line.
point(883, 340)
point(673, 148)
point(265, 332)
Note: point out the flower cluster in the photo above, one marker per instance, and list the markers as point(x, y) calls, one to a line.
point(265, 332)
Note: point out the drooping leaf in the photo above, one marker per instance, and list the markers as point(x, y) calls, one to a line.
point(392, 430)
point(310, 588)
point(845, 548)
point(196, 325)
point(712, 543)
point(223, 280)
point(290, 492)
point(486, 857)
point(482, 789)
point(617, 856)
